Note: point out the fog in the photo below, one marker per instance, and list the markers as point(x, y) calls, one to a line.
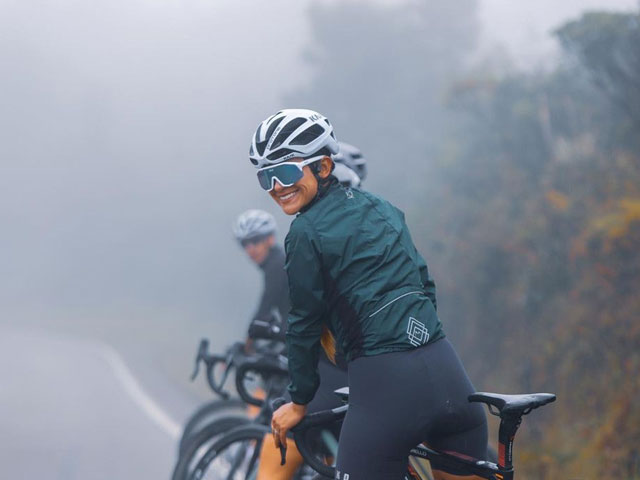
point(124, 139)
point(125, 127)
point(124, 131)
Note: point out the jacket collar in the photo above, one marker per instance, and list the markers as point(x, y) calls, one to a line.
point(324, 186)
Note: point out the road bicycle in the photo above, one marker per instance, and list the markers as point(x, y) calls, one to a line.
point(224, 406)
point(258, 379)
point(265, 340)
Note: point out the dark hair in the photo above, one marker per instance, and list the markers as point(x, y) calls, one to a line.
point(316, 166)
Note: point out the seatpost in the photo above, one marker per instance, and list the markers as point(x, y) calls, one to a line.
point(509, 424)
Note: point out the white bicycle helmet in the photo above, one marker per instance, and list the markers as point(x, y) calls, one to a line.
point(289, 134)
point(254, 224)
point(345, 175)
point(352, 157)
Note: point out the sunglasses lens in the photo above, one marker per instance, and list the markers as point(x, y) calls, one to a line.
point(254, 240)
point(288, 174)
point(285, 174)
point(265, 180)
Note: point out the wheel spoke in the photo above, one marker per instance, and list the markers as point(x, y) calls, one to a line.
point(251, 468)
point(238, 459)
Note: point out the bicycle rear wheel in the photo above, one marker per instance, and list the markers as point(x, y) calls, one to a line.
point(199, 443)
point(234, 456)
point(207, 414)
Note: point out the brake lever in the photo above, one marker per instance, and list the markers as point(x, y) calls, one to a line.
point(275, 405)
point(219, 390)
point(228, 362)
point(202, 355)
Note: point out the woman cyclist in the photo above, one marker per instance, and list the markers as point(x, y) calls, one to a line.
point(331, 365)
point(353, 269)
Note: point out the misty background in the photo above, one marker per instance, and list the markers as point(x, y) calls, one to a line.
point(497, 126)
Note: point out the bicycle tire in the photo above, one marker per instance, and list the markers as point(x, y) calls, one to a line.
point(206, 414)
point(242, 461)
point(202, 439)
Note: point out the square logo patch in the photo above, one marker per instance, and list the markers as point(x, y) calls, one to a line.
point(417, 332)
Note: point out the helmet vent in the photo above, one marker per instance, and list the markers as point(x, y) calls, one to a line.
point(261, 146)
point(308, 136)
point(287, 130)
point(273, 127)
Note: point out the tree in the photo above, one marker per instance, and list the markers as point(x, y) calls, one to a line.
point(606, 44)
point(380, 73)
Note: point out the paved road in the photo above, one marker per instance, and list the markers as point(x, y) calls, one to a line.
point(72, 409)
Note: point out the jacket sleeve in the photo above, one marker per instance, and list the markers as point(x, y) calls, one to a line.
point(304, 326)
point(270, 297)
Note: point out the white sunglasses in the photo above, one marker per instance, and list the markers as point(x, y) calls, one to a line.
point(286, 173)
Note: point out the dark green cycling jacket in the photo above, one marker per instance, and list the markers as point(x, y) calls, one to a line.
point(352, 266)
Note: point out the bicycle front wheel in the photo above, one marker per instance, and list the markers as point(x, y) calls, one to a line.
point(207, 414)
point(200, 442)
point(232, 457)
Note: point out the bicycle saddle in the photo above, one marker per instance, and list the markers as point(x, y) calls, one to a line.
point(521, 404)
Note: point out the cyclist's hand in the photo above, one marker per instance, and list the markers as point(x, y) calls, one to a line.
point(284, 419)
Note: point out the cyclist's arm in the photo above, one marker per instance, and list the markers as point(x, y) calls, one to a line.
point(263, 311)
point(268, 305)
point(304, 326)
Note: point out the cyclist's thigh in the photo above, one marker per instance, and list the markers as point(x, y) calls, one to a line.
point(471, 441)
point(456, 424)
point(370, 448)
point(385, 418)
point(400, 399)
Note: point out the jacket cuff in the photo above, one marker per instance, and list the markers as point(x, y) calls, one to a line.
point(299, 398)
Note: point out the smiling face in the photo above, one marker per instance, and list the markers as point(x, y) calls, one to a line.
point(292, 199)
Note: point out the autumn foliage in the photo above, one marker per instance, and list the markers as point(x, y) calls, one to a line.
point(540, 214)
point(522, 190)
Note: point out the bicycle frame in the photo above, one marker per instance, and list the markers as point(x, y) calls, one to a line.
point(481, 468)
point(509, 424)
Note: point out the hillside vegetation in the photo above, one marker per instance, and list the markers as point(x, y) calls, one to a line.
point(523, 192)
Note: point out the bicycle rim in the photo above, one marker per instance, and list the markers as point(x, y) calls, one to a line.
point(201, 442)
point(207, 414)
point(233, 457)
